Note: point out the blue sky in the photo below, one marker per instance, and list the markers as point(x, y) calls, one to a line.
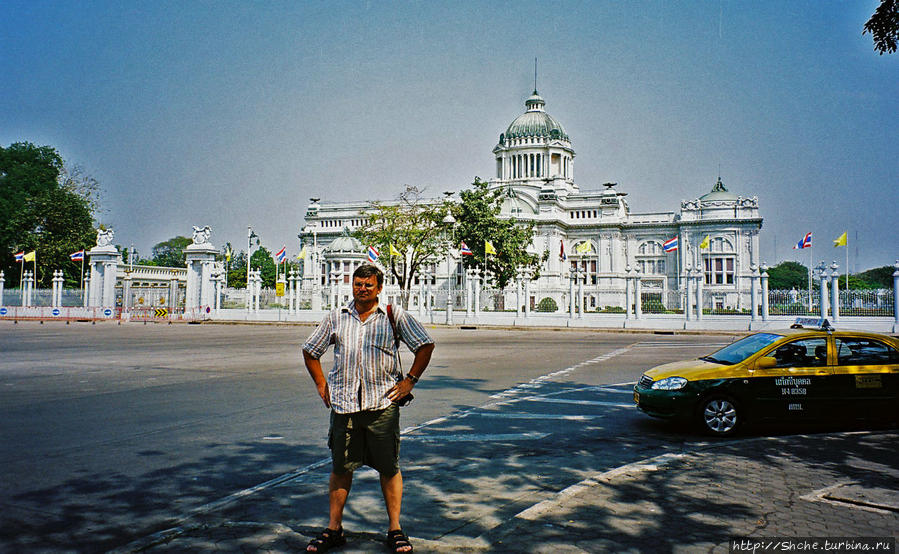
point(235, 113)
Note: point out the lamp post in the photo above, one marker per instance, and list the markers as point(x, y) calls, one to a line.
point(250, 236)
point(449, 223)
point(822, 297)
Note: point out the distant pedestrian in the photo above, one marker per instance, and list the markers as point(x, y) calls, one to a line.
point(363, 390)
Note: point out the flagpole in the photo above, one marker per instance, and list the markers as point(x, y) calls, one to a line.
point(810, 262)
point(847, 261)
point(81, 283)
point(677, 265)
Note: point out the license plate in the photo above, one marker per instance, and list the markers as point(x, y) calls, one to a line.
point(636, 397)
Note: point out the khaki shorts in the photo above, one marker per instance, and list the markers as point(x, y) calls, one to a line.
point(369, 438)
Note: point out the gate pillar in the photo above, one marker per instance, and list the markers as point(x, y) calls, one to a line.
point(200, 259)
point(104, 264)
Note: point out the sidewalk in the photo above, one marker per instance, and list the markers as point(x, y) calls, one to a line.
point(820, 485)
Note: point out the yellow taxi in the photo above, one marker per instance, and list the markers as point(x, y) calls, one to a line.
point(811, 372)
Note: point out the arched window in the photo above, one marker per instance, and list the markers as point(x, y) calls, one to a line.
point(720, 262)
point(651, 258)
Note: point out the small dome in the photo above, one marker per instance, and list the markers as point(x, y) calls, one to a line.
point(718, 193)
point(535, 122)
point(345, 244)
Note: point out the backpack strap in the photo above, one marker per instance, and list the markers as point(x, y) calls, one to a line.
point(396, 336)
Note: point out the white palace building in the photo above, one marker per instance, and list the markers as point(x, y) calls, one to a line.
point(611, 253)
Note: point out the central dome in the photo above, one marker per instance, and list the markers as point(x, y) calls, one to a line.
point(535, 122)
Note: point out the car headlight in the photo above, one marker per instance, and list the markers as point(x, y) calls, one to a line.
point(670, 383)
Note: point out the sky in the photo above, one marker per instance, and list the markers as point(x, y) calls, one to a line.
point(233, 114)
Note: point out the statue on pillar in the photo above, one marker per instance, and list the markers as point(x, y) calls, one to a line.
point(202, 234)
point(104, 237)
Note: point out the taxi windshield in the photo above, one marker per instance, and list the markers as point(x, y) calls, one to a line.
point(736, 352)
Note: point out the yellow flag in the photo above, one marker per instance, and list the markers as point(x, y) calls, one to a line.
point(705, 242)
point(840, 241)
point(302, 254)
point(29, 257)
point(228, 254)
point(394, 251)
point(583, 247)
point(488, 248)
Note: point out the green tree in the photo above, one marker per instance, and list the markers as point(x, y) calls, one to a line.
point(263, 261)
point(414, 227)
point(41, 213)
point(170, 253)
point(237, 272)
point(478, 221)
point(877, 278)
point(884, 26)
point(788, 275)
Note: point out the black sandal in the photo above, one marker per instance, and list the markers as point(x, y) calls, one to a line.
point(326, 540)
point(397, 539)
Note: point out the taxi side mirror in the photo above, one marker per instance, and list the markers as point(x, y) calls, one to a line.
point(766, 362)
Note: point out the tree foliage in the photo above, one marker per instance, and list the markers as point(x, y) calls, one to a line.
point(788, 275)
point(170, 253)
point(877, 278)
point(478, 221)
point(42, 212)
point(413, 226)
point(73, 178)
point(263, 261)
point(884, 26)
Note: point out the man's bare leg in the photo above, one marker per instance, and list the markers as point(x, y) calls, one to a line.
point(392, 487)
point(338, 490)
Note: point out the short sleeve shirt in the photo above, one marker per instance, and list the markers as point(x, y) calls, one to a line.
point(366, 361)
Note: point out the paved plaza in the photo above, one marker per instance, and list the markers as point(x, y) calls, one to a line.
point(171, 438)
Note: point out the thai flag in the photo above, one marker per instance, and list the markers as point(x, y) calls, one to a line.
point(373, 254)
point(806, 242)
point(77, 256)
point(670, 245)
point(20, 256)
point(464, 250)
point(281, 255)
point(562, 256)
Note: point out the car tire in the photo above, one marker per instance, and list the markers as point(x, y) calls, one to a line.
point(719, 415)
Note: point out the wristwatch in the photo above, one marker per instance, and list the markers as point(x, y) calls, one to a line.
point(412, 378)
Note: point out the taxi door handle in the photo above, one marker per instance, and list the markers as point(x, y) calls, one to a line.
point(822, 372)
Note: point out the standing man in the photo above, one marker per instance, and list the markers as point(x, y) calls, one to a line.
point(362, 390)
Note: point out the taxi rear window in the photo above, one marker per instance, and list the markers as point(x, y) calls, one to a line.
point(736, 352)
point(862, 351)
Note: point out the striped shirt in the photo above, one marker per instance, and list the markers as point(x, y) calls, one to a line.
point(366, 360)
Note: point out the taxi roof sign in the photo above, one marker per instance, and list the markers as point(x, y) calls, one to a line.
point(812, 322)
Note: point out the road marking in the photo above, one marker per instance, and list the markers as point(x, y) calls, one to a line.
point(650, 464)
point(579, 402)
point(479, 437)
point(830, 495)
point(504, 415)
point(517, 390)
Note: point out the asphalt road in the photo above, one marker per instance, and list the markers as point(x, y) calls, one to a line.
point(113, 432)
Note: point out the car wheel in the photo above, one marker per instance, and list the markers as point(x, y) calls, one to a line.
point(719, 415)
